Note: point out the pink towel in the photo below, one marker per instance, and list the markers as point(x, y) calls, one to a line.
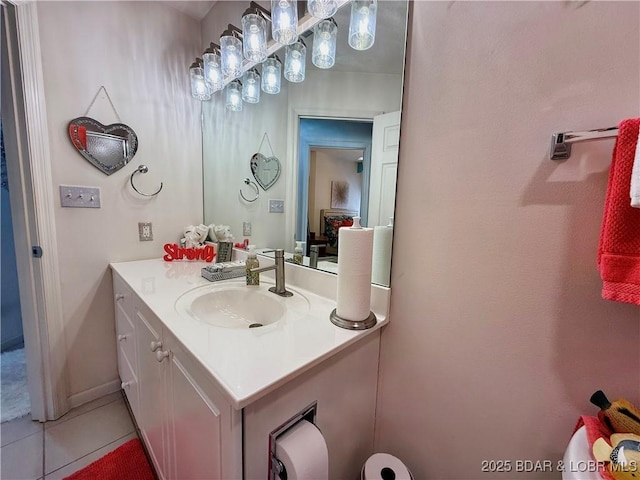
point(619, 250)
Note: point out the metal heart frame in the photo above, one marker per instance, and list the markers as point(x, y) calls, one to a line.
point(105, 157)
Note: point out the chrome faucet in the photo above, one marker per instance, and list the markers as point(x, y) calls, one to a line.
point(313, 259)
point(280, 288)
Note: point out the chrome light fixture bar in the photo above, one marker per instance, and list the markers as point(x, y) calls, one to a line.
point(307, 22)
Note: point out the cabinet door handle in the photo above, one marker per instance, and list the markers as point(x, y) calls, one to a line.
point(161, 355)
point(155, 346)
point(124, 385)
point(119, 296)
point(122, 338)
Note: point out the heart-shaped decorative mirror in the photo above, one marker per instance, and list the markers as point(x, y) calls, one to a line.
point(106, 147)
point(266, 170)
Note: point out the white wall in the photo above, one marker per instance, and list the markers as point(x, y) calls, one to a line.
point(140, 52)
point(498, 333)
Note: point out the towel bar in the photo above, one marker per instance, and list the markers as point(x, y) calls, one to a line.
point(561, 142)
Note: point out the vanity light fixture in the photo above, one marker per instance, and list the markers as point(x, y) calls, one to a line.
point(271, 73)
point(212, 68)
point(295, 62)
point(199, 88)
point(251, 86)
point(231, 52)
point(254, 33)
point(284, 21)
point(324, 43)
point(233, 96)
point(322, 8)
point(362, 25)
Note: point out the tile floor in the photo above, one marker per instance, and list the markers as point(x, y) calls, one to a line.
point(50, 451)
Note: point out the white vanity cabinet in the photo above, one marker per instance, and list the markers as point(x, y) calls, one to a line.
point(190, 431)
point(207, 399)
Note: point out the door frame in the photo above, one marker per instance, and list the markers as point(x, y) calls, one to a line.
point(32, 207)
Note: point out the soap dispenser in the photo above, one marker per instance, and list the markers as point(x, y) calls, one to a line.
point(253, 278)
point(297, 253)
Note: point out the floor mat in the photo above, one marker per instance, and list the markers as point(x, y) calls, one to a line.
point(127, 462)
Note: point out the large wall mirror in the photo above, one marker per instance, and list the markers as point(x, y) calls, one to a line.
point(336, 135)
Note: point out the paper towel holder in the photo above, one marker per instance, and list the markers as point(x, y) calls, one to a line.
point(276, 468)
point(368, 322)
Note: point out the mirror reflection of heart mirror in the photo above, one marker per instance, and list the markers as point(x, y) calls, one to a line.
point(265, 170)
point(106, 147)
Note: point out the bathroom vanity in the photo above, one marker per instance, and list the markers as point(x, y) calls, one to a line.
point(206, 395)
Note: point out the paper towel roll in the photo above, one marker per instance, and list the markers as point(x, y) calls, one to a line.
point(381, 263)
point(303, 452)
point(355, 247)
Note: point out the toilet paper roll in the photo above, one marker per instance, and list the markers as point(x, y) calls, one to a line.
point(381, 466)
point(303, 452)
point(355, 247)
point(381, 263)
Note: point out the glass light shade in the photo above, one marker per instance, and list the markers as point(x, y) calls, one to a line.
point(362, 26)
point(254, 37)
point(199, 88)
point(271, 72)
point(322, 8)
point(251, 86)
point(212, 71)
point(295, 62)
point(324, 44)
point(231, 56)
point(233, 96)
point(284, 21)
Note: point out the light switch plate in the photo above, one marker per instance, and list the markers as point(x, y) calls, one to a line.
point(79, 197)
point(246, 229)
point(276, 206)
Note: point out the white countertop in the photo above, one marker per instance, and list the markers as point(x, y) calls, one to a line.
point(246, 363)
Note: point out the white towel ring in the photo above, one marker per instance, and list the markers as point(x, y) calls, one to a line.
point(253, 184)
point(143, 169)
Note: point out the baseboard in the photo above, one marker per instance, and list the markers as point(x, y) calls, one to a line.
point(94, 393)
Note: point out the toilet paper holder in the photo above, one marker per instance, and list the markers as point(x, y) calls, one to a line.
point(276, 468)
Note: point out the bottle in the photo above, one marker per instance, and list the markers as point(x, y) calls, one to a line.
point(252, 262)
point(297, 253)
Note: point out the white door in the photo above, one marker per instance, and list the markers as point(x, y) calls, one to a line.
point(384, 168)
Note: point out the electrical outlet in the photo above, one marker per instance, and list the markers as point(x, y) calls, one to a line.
point(145, 231)
point(276, 206)
point(246, 229)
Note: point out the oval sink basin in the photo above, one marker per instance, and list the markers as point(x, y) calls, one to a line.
point(234, 305)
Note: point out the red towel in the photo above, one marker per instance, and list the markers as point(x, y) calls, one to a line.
point(619, 250)
point(595, 430)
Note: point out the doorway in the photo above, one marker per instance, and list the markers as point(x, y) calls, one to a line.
point(330, 134)
point(14, 390)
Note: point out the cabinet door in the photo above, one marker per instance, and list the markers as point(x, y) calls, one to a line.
point(151, 388)
point(125, 334)
point(202, 443)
